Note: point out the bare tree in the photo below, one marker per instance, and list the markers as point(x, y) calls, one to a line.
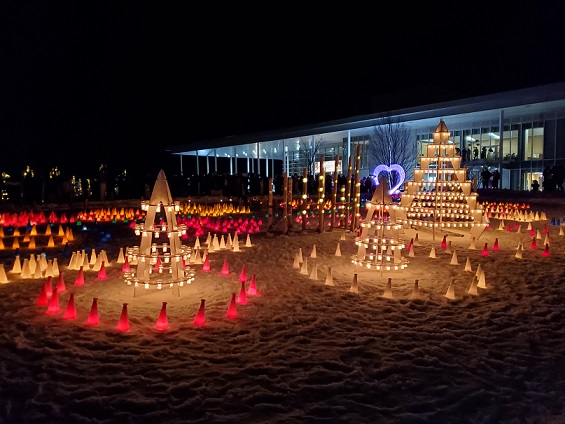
point(391, 143)
point(311, 147)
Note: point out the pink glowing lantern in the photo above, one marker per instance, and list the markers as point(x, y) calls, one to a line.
point(123, 322)
point(162, 322)
point(42, 299)
point(243, 274)
point(54, 307)
point(49, 286)
point(79, 281)
point(444, 242)
point(485, 250)
point(125, 266)
point(495, 245)
point(206, 265)
point(546, 250)
point(93, 317)
point(225, 267)
point(242, 296)
point(232, 308)
point(200, 318)
point(252, 289)
point(61, 288)
point(102, 272)
point(534, 244)
point(70, 310)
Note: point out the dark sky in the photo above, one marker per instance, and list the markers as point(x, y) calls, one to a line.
point(117, 82)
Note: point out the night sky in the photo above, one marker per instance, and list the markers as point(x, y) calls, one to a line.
point(118, 82)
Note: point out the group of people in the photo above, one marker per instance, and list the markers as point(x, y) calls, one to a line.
point(490, 179)
point(468, 154)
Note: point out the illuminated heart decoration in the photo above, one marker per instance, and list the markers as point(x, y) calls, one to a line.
point(389, 169)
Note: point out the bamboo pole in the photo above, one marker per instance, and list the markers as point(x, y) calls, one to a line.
point(347, 201)
point(304, 197)
point(334, 192)
point(321, 195)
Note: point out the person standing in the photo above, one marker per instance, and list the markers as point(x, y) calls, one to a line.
point(485, 175)
point(495, 178)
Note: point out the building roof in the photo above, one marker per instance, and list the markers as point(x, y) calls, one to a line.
point(481, 110)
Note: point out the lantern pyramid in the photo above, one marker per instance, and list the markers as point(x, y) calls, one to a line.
point(380, 246)
point(440, 196)
point(161, 259)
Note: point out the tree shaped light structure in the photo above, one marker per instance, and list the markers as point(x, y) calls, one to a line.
point(161, 259)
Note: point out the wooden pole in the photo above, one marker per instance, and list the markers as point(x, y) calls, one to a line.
point(270, 202)
point(285, 202)
point(347, 201)
point(334, 192)
point(304, 197)
point(321, 195)
point(357, 204)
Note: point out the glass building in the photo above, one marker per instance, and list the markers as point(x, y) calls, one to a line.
point(520, 133)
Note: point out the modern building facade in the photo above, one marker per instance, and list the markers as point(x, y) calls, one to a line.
point(520, 133)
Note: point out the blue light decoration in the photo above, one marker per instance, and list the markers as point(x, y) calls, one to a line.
point(385, 168)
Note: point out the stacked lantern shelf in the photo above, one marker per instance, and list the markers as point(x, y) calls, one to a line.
point(161, 259)
point(440, 197)
point(380, 246)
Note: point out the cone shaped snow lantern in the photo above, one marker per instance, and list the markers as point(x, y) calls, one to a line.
point(415, 291)
point(533, 245)
point(17, 267)
point(232, 308)
point(329, 278)
point(54, 307)
point(70, 310)
point(450, 294)
point(485, 250)
point(388, 289)
point(495, 245)
point(338, 250)
point(200, 317)
point(121, 257)
point(546, 240)
point(243, 274)
point(304, 268)
point(468, 265)
point(42, 299)
point(482, 281)
point(479, 270)
point(538, 235)
point(225, 267)
point(93, 317)
point(546, 250)
point(433, 252)
point(411, 253)
point(3, 276)
point(454, 260)
point(123, 322)
point(252, 289)
point(444, 242)
point(162, 321)
point(313, 254)
point(206, 264)
point(248, 241)
point(242, 296)
point(472, 245)
point(79, 281)
point(545, 230)
point(410, 244)
point(314, 272)
point(354, 285)
point(416, 240)
point(518, 252)
point(473, 287)
point(448, 249)
point(125, 266)
point(296, 263)
point(561, 232)
point(102, 272)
